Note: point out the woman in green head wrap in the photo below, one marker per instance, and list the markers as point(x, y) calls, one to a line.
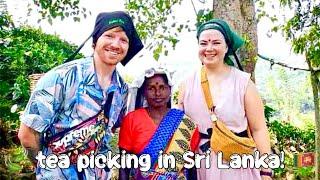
point(231, 39)
point(218, 90)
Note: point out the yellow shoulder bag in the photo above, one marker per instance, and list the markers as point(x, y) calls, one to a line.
point(222, 138)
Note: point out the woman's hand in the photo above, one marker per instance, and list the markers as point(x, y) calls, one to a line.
point(266, 177)
point(124, 173)
point(266, 174)
point(181, 93)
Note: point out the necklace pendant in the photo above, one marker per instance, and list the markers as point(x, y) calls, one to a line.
point(213, 117)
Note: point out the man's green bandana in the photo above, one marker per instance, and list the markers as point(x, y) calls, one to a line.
point(233, 40)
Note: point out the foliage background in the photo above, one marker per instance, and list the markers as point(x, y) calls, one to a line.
point(23, 52)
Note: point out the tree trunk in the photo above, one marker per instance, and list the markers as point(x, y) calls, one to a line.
point(315, 89)
point(240, 14)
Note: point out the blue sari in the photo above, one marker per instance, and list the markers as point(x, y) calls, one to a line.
point(172, 137)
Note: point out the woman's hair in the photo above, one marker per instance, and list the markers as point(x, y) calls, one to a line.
point(141, 90)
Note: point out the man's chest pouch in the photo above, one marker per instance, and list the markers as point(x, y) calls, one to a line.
point(84, 138)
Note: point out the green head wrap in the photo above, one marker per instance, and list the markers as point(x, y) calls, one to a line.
point(233, 40)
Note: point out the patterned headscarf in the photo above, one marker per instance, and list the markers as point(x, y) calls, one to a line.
point(136, 98)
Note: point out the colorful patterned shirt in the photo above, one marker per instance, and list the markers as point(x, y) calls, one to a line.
point(66, 96)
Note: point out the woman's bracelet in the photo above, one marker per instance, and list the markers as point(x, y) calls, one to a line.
point(266, 173)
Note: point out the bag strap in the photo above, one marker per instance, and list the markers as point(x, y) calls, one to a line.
point(237, 60)
point(107, 105)
point(207, 94)
point(73, 55)
point(163, 134)
point(206, 90)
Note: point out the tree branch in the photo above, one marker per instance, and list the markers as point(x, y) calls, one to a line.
point(272, 62)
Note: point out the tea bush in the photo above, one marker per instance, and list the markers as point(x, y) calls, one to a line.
point(24, 51)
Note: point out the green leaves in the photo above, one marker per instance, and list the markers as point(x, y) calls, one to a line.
point(50, 10)
point(157, 51)
point(25, 51)
point(152, 19)
point(14, 167)
point(292, 140)
point(153, 22)
point(303, 28)
point(204, 15)
point(15, 163)
point(268, 112)
point(20, 88)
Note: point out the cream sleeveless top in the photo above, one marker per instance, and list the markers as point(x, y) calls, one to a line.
point(229, 103)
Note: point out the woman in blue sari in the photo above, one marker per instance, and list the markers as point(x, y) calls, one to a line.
point(153, 127)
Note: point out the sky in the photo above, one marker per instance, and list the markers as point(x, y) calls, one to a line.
point(182, 60)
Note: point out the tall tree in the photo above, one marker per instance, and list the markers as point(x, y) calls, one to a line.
point(240, 14)
point(302, 29)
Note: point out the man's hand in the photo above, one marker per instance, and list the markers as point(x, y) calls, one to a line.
point(30, 141)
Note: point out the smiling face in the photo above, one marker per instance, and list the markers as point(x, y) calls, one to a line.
point(112, 46)
point(212, 47)
point(157, 91)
